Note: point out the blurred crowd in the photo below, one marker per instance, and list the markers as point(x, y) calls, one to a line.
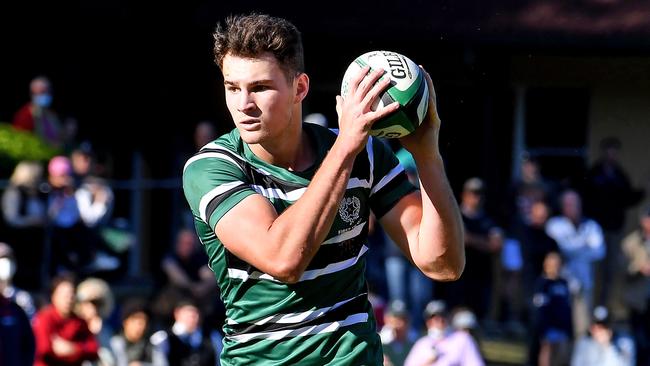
point(552, 266)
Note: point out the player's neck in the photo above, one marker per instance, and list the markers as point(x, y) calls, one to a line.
point(293, 152)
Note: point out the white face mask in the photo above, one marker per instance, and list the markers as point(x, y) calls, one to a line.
point(436, 333)
point(7, 269)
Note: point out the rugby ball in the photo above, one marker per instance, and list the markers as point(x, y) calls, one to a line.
point(408, 87)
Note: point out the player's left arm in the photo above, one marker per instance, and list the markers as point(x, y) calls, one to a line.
point(427, 225)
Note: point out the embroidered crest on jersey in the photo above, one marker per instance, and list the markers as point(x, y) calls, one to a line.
point(349, 209)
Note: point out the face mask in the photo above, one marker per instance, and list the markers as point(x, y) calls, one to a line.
point(43, 100)
point(7, 269)
point(436, 333)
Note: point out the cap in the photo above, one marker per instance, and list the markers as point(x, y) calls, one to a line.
point(474, 185)
point(435, 307)
point(5, 250)
point(59, 165)
point(600, 315)
point(464, 319)
point(316, 118)
point(397, 308)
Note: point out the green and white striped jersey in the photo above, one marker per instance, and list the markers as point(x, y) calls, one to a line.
point(324, 318)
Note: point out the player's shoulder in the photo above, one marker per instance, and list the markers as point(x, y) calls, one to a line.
point(227, 149)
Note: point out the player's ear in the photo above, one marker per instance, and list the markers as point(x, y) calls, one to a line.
point(302, 87)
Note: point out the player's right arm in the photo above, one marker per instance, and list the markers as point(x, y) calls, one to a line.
point(282, 245)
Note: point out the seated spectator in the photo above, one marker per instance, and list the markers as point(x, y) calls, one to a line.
point(601, 347)
point(396, 335)
point(24, 210)
point(95, 305)
point(132, 345)
point(7, 290)
point(62, 338)
point(17, 345)
point(443, 345)
point(185, 342)
point(187, 274)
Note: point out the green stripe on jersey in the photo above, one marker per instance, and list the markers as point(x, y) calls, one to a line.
point(326, 316)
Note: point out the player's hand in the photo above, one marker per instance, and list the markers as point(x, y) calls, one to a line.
point(424, 140)
point(356, 116)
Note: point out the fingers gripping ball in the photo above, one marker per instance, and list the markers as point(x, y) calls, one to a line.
point(408, 87)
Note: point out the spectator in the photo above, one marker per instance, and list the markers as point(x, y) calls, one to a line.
point(581, 243)
point(94, 305)
point(636, 250)
point(185, 343)
point(204, 133)
point(37, 116)
point(24, 209)
point(552, 333)
point(396, 335)
point(95, 200)
point(17, 345)
point(535, 245)
point(608, 195)
point(483, 242)
point(602, 347)
point(62, 338)
point(131, 346)
point(186, 273)
point(525, 190)
point(7, 290)
point(317, 118)
point(443, 345)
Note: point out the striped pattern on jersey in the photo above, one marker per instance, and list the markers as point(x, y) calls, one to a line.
point(328, 306)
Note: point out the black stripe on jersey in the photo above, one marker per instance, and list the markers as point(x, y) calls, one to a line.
point(334, 253)
point(361, 167)
point(217, 200)
point(395, 182)
point(232, 261)
point(230, 154)
point(354, 306)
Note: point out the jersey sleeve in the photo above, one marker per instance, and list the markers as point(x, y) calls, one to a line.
point(390, 182)
point(213, 183)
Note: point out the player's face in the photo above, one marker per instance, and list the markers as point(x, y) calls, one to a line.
point(259, 97)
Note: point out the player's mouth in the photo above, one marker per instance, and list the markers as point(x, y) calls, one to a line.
point(250, 124)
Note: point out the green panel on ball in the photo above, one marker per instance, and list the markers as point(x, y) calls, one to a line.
point(393, 126)
point(405, 96)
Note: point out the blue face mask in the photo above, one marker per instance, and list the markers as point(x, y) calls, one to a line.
point(43, 100)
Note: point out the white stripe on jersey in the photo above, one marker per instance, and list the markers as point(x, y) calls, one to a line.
point(214, 192)
point(211, 154)
point(291, 318)
point(371, 160)
point(278, 193)
point(353, 232)
point(305, 331)
point(306, 276)
point(387, 179)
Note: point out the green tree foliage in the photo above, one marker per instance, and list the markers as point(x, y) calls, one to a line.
point(17, 145)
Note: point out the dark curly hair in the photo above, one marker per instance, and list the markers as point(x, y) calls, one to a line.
point(254, 34)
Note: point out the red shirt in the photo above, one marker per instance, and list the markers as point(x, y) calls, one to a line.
point(48, 323)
